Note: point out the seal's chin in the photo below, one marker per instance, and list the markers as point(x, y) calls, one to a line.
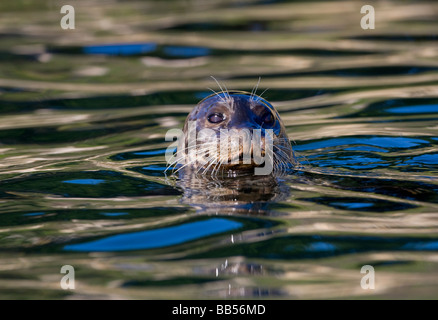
point(239, 162)
point(236, 157)
point(243, 161)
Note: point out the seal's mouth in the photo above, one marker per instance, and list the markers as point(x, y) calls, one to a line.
point(234, 151)
point(242, 159)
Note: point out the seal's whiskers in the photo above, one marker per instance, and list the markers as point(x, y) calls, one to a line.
point(254, 90)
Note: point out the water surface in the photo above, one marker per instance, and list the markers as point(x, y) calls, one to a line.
point(83, 114)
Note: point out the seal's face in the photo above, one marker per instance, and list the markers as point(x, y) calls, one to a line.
point(231, 129)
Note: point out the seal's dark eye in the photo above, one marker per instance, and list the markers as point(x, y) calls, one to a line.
point(216, 117)
point(268, 118)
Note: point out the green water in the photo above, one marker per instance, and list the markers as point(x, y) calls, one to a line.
point(84, 112)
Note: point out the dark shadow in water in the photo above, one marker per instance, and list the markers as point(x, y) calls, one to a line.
point(5, 195)
point(352, 72)
point(9, 57)
point(409, 190)
point(49, 135)
point(397, 37)
point(315, 247)
point(254, 25)
point(186, 52)
point(360, 204)
point(31, 217)
point(387, 263)
point(133, 101)
point(103, 102)
point(87, 184)
point(175, 281)
point(398, 107)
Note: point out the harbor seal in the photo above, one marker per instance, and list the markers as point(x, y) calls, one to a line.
point(232, 132)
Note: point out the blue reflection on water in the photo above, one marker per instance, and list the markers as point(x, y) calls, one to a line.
point(424, 159)
point(121, 49)
point(34, 214)
point(85, 181)
point(365, 148)
point(353, 205)
point(431, 245)
point(154, 168)
point(353, 162)
point(320, 246)
point(188, 52)
point(383, 142)
point(151, 152)
point(158, 238)
point(114, 214)
point(433, 108)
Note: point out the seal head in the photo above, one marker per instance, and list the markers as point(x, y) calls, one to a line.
point(233, 131)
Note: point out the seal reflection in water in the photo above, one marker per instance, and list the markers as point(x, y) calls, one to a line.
point(227, 137)
point(245, 194)
point(229, 133)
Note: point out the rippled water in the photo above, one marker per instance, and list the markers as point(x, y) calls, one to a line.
point(83, 118)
